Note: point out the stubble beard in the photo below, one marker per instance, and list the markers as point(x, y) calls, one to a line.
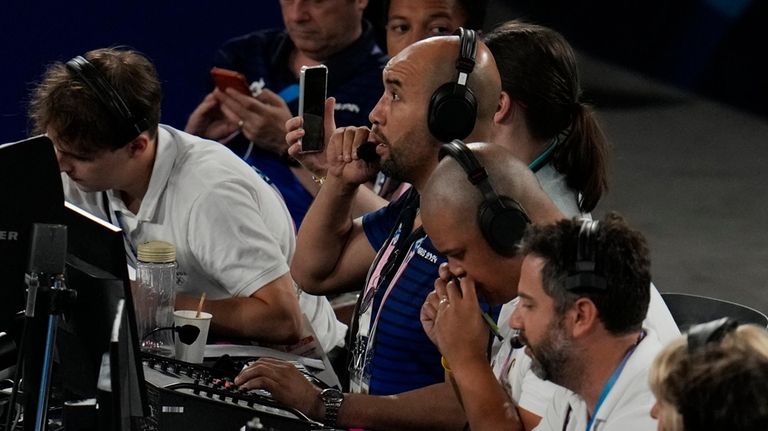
point(552, 358)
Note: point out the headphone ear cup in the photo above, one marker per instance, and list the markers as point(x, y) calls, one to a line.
point(452, 112)
point(502, 224)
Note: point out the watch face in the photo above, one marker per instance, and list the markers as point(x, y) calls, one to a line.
point(332, 394)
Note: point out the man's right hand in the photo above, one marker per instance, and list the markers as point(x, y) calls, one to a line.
point(208, 121)
point(286, 384)
point(343, 163)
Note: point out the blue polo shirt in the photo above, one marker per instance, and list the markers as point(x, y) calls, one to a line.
point(354, 79)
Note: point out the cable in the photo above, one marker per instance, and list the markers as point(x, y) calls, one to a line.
point(16, 382)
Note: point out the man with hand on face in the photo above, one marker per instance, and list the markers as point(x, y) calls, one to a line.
point(506, 395)
point(335, 253)
point(406, 22)
point(329, 32)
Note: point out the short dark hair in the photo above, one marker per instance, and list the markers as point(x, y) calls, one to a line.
point(621, 257)
point(64, 103)
point(538, 69)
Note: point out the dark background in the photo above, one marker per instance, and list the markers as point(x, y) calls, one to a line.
point(680, 87)
point(179, 37)
point(710, 47)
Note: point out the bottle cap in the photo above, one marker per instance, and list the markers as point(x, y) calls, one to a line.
point(157, 252)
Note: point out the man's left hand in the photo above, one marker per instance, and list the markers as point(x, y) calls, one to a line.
point(263, 117)
point(451, 316)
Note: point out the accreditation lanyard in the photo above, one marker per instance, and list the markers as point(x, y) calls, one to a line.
point(375, 277)
point(610, 383)
point(388, 256)
point(130, 250)
point(372, 331)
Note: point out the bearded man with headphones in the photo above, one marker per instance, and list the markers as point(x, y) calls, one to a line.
point(584, 292)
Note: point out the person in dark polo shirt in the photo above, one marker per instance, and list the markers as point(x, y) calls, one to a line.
point(330, 32)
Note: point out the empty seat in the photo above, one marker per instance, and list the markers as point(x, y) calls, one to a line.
point(688, 309)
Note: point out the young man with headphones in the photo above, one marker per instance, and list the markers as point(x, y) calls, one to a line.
point(233, 235)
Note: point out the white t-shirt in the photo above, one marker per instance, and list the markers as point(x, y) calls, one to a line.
point(513, 367)
point(626, 407)
point(554, 185)
point(232, 231)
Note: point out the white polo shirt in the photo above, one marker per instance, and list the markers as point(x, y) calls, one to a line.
point(627, 406)
point(232, 231)
point(512, 367)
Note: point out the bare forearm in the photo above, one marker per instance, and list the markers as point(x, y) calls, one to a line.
point(432, 407)
point(323, 235)
point(485, 403)
point(249, 318)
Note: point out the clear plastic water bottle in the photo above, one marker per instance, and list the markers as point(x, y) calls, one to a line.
point(155, 296)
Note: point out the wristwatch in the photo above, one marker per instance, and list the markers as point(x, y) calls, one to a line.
point(332, 399)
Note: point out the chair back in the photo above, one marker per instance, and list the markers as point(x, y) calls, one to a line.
point(688, 310)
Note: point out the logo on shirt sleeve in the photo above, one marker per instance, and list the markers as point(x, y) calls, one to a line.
point(426, 254)
point(351, 107)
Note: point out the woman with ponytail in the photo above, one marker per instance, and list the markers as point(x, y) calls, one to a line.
point(542, 119)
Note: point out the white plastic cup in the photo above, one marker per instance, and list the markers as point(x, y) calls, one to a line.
point(192, 352)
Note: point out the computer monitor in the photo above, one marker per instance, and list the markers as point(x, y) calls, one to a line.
point(115, 378)
point(31, 193)
point(96, 269)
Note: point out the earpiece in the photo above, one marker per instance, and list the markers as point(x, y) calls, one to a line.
point(88, 74)
point(711, 332)
point(502, 219)
point(453, 108)
point(583, 275)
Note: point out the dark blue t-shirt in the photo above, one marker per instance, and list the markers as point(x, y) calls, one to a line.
point(354, 79)
point(403, 356)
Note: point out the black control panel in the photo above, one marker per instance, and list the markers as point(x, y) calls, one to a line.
point(199, 397)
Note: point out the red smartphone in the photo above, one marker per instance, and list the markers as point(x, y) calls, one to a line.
point(225, 78)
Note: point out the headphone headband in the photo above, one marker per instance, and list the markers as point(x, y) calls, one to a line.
point(583, 275)
point(84, 71)
point(710, 332)
point(452, 108)
point(476, 173)
point(502, 220)
point(467, 50)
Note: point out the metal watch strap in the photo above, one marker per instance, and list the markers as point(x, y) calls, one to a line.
point(332, 399)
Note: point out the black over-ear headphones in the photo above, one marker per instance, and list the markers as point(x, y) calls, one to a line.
point(453, 108)
point(502, 219)
point(582, 275)
point(710, 332)
point(88, 74)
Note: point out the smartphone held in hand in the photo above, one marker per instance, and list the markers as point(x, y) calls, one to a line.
point(225, 78)
point(313, 81)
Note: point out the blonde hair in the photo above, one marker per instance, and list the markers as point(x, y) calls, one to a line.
point(723, 385)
